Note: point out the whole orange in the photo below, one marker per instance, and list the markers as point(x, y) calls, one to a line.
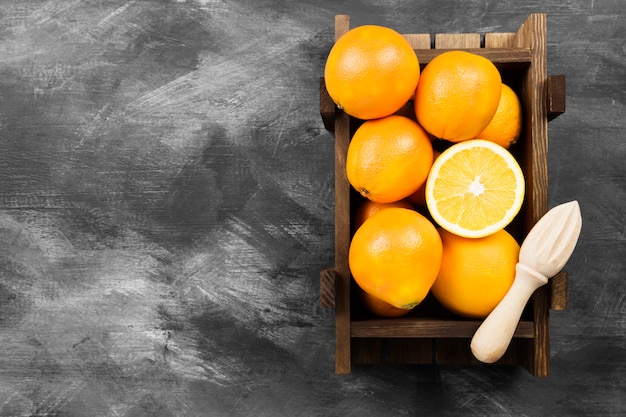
point(457, 95)
point(371, 72)
point(388, 159)
point(475, 273)
point(506, 125)
point(395, 256)
point(368, 208)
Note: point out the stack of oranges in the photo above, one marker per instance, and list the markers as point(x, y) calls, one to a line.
point(430, 221)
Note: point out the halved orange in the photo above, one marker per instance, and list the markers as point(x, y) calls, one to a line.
point(475, 188)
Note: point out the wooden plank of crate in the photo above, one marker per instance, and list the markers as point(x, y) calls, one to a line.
point(500, 40)
point(418, 40)
point(503, 58)
point(457, 40)
point(342, 228)
point(342, 242)
point(516, 349)
point(450, 351)
point(366, 351)
point(541, 341)
point(426, 327)
point(558, 291)
point(532, 34)
point(342, 25)
point(409, 350)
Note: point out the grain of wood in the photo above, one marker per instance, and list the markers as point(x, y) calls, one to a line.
point(342, 229)
point(418, 40)
point(457, 40)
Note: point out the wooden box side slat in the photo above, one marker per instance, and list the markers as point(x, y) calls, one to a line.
point(426, 327)
point(457, 352)
point(373, 350)
point(558, 292)
point(453, 352)
point(532, 34)
point(540, 364)
point(342, 242)
point(503, 58)
point(367, 351)
point(342, 228)
point(534, 91)
point(412, 351)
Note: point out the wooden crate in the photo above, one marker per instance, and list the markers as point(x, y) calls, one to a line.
point(430, 334)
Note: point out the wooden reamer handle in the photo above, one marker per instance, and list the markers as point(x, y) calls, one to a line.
point(494, 335)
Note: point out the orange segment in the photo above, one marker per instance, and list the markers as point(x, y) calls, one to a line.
point(475, 188)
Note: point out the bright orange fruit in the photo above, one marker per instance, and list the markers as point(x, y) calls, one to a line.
point(475, 274)
point(395, 256)
point(457, 95)
point(388, 159)
point(506, 125)
point(475, 188)
point(371, 72)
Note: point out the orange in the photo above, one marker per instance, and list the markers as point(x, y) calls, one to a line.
point(457, 95)
point(388, 159)
point(475, 188)
point(368, 208)
point(395, 256)
point(380, 307)
point(506, 125)
point(371, 72)
point(475, 274)
point(419, 197)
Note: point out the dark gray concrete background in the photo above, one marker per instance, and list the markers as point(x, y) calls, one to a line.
point(166, 204)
